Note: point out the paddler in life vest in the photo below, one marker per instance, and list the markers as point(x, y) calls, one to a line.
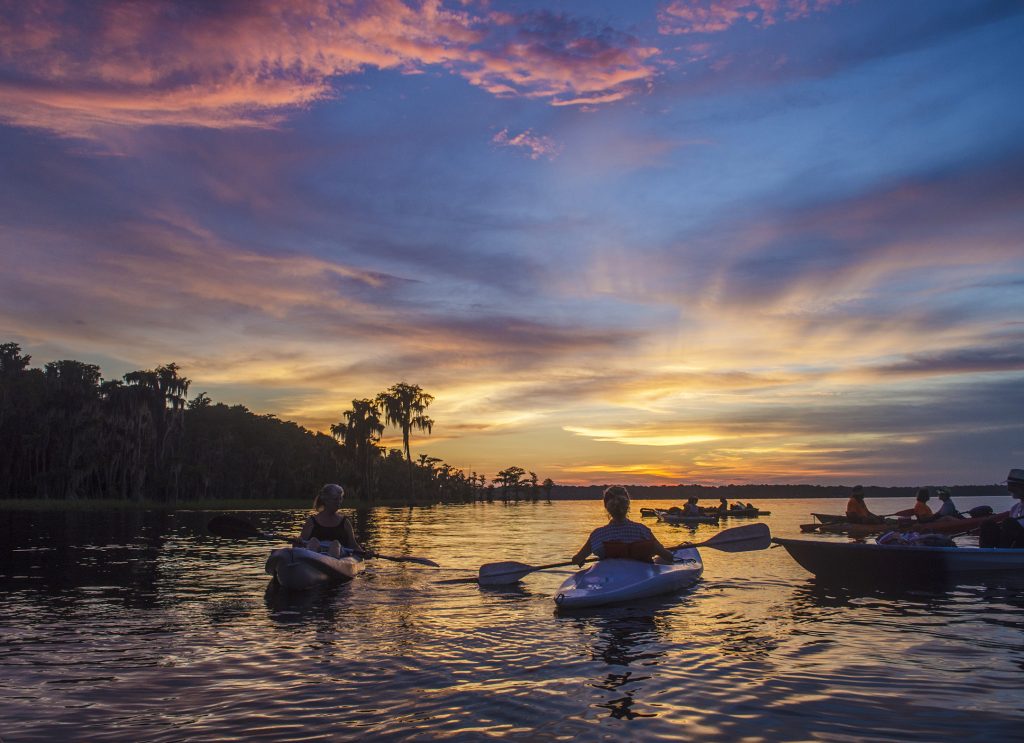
point(327, 527)
point(857, 512)
point(921, 509)
point(621, 537)
point(948, 508)
point(691, 508)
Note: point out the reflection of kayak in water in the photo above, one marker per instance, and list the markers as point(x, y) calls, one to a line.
point(612, 581)
point(680, 518)
point(298, 568)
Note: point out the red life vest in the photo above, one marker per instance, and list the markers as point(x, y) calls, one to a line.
point(643, 550)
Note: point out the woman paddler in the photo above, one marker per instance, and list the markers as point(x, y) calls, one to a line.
point(620, 537)
point(857, 511)
point(921, 509)
point(327, 526)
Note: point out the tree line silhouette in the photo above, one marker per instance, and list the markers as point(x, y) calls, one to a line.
point(67, 433)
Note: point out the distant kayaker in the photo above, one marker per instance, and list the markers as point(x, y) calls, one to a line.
point(1007, 529)
point(621, 537)
point(723, 505)
point(921, 509)
point(691, 508)
point(948, 507)
point(327, 526)
point(857, 512)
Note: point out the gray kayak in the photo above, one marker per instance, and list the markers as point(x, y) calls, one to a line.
point(298, 569)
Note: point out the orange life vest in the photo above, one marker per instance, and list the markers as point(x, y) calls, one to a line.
point(856, 508)
point(922, 511)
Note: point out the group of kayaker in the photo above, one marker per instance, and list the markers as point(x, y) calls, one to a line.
point(621, 537)
point(858, 513)
point(1003, 530)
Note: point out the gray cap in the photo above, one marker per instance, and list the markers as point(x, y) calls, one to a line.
point(333, 489)
point(1016, 477)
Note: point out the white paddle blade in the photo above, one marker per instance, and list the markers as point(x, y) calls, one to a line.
point(501, 573)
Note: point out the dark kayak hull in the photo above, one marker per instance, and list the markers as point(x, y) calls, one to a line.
point(942, 526)
point(861, 562)
point(300, 569)
point(736, 513)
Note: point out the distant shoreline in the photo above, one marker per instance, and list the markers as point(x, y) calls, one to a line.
point(732, 493)
point(767, 492)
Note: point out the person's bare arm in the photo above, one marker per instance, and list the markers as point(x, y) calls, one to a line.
point(580, 557)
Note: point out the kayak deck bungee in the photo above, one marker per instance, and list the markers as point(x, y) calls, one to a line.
point(298, 568)
point(615, 580)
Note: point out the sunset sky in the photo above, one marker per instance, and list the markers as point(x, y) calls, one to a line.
point(645, 242)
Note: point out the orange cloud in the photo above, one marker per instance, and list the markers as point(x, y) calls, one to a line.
point(75, 68)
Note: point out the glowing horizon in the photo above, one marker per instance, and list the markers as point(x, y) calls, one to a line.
point(682, 241)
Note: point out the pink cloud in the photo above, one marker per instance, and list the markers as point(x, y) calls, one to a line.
point(536, 145)
point(74, 68)
point(715, 16)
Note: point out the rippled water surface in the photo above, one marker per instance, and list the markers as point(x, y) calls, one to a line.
point(141, 626)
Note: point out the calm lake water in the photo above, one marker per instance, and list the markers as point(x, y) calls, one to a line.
point(141, 626)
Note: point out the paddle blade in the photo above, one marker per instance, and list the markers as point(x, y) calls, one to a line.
point(740, 539)
point(502, 573)
point(232, 527)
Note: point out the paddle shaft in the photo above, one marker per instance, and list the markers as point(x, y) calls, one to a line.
point(234, 527)
point(724, 540)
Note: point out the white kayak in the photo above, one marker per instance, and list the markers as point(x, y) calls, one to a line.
point(612, 581)
point(297, 568)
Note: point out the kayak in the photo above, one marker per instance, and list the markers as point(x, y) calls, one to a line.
point(648, 512)
point(945, 526)
point(886, 562)
point(679, 518)
point(613, 581)
point(298, 569)
point(738, 513)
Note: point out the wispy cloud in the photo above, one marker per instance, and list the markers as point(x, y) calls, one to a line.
point(715, 16)
point(75, 68)
point(536, 146)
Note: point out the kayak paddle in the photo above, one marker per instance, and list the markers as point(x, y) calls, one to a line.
point(737, 539)
point(233, 527)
